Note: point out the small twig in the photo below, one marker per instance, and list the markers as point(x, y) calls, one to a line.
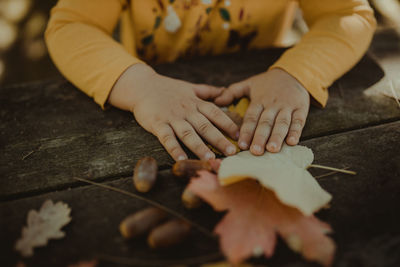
point(27, 155)
point(331, 169)
point(328, 174)
point(151, 202)
point(394, 93)
point(136, 262)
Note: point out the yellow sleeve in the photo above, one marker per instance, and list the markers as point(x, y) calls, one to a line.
point(79, 41)
point(340, 33)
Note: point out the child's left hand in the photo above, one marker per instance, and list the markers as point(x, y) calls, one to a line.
point(278, 109)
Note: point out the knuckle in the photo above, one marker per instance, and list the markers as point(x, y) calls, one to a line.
point(283, 121)
point(298, 121)
point(277, 136)
point(232, 127)
point(166, 139)
point(204, 127)
point(252, 118)
point(266, 122)
point(246, 132)
point(187, 134)
point(259, 138)
point(175, 150)
point(200, 148)
point(294, 132)
point(214, 111)
point(222, 143)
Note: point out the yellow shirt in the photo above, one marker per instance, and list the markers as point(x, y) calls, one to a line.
point(79, 38)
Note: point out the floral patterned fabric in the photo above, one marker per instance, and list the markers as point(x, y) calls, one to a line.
point(198, 27)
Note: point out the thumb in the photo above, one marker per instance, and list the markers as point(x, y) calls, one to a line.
point(234, 91)
point(206, 92)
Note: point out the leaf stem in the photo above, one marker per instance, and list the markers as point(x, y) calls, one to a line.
point(331, 169)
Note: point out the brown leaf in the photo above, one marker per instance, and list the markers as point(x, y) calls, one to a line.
point(42, 226)
point(255, 216)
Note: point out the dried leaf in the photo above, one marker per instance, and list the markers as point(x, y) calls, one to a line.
point(255, 216)
point(42, 226)
point(387, 87)
point(284, 173)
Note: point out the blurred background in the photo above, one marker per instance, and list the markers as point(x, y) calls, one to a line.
point(23, 54)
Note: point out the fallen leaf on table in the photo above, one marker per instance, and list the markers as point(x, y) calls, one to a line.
point(236, 114)
point(92, 263)
point(255, 216)
point(42, 226)
point(241, 107)
point(284, 173)
point(386, 87)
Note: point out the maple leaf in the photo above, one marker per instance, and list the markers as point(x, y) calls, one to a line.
point(255, 216)
point(42, 226)
point(284, 173)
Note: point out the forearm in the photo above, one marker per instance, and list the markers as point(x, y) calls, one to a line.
point(79, 40)
point(339, 35)
point(126, 90)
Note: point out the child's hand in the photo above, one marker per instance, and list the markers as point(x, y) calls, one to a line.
point(172, 109)
point(278, 109)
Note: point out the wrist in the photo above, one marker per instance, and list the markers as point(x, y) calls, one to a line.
point(126, 90)
point(283, 74)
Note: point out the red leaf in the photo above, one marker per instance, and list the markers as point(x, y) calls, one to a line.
point(254, 218)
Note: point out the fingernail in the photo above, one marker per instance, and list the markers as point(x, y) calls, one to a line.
point(181, 158)
point(230, 150)
point(272, 146)
point(292, 139)
point(243, 145)
point(209, 155)
point(237, 135)
point(256, 148)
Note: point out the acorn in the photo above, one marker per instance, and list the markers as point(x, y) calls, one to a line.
point(168, 234)
point(188, 168)
point(145, 174)
point(141, 222)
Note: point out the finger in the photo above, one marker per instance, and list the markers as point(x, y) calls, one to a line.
point(205, 92)
point(279, 131)
point(296, 127)
point(167, 138)
point(249, 125)
point(208, 131)
point(263, 131)
point(235, 91)
point(219, 118)
point(190, 138)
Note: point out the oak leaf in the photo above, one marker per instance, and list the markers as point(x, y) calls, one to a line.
point(255, 216)
point(42, 226)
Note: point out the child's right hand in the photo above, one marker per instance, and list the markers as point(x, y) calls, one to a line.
point(171, 109)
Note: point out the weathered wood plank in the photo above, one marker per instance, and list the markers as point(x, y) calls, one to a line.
point(364, 211)
point(50, 130)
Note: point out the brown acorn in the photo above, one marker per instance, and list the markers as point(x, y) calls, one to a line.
point(145, 174)
point(168, 234)
point(141, 222)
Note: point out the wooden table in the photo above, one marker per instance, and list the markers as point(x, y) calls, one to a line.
point(50, 132)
